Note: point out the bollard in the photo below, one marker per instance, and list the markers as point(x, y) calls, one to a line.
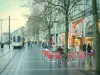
point(2, 45)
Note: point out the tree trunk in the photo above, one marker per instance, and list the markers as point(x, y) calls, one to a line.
point(38, 36)
point(50, 37)
point(66, 34)
point(66, 5)
point(96, 36)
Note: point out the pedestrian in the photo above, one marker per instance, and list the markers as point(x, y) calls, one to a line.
point(84, 47)
point(23, 44)
point(28, 44)
point(53, 47)
point(93, 55)
point(88, 48)
point(31, 44)
point(44, 45)
point(2, 45)
point(89, 52)
point(59, 49)
point(93, 50)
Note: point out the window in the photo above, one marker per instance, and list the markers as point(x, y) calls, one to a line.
point(19, 39)
point(14, 39)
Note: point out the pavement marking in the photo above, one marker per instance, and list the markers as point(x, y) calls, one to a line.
point(19, 65)
point(33, 53)
point(31, 61)
point(36, 61)
point(51, 69)
point(32, 57)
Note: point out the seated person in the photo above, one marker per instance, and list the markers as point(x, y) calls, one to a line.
point(59, 49)
point(44, 45)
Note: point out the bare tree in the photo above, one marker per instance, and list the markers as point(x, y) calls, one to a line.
point(96, 35)
point(45, 18)
point(63, 6)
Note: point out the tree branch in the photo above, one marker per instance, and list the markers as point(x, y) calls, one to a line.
point(57, 5)
point(61, 1)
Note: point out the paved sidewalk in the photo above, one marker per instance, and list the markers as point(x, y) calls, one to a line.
point(32, 62)
point(4, 50)
point(89, 66)
point(6, 58)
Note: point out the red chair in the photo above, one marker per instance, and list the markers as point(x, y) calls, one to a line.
point(50, 56)
point(58, 56)
point(82, 55)
point(45, 53)
point(76, 55)
point(70, 55)
point(76, 52)
point(90, 54)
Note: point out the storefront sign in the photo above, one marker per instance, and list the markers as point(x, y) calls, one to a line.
point(78, 25)
point(80, 29)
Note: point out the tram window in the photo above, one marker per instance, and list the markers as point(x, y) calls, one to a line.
point(19, 39)
point(14, 39)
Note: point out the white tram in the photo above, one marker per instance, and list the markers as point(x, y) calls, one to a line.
point(17, 41)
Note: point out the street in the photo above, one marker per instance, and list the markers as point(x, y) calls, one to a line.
point(52, 37)
point(31, 62)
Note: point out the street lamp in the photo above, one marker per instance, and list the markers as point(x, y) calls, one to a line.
point(9, 28)
point(1, 29)
point(55, 26)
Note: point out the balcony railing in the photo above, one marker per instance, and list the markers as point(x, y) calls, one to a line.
point(85, 13)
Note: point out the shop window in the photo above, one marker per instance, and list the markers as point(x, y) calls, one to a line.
point(90, 29)
point(77, 41)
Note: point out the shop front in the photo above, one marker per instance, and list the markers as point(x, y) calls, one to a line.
point(88, 29)
point(76, 38)
point(89, 35)
point(60, 39)
point(63, 39)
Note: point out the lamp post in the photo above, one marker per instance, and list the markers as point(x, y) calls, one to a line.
point(9, 32)
point(9, 28)
point(1, 29)
point(55, 26)
point(55, 34)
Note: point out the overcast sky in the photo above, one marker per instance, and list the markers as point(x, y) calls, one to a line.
point(14, 9)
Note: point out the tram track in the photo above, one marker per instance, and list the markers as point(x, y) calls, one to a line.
point(6, 53)
point(4, 67)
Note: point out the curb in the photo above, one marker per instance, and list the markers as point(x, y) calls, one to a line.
point(89, 72)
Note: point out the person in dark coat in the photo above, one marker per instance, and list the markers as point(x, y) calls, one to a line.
point(59, 49)
point(28, 44)
point(44, 45)
point(84, 47)
point(23, 44)
point(89, 48)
